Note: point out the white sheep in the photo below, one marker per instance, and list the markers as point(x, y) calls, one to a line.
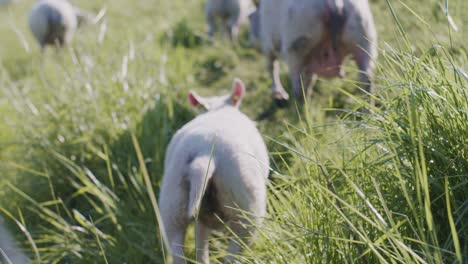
point(314, 37)
point(4, 2)
point(54, 22)
point(215, 165)
point(232, 13)
point(9, 247)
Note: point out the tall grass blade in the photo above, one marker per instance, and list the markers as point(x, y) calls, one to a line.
point(151, 195)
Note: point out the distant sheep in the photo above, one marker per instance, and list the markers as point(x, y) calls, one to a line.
point(9, 247)
point(4, 2)
point(314, 36)
point(215, 165)
point(54, 22)
point(231, 13)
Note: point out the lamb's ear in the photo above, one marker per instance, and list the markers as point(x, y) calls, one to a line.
point(238, 92)
point(197, 100)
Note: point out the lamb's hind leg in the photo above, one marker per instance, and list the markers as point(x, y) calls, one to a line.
point(176, 237)
point(173, 203)
point(242, 233)
point(244, 229)
point(203, 233)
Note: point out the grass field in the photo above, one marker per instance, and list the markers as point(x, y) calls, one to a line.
point(345, 186)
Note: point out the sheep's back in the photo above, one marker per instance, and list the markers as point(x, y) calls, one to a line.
point(51, 19)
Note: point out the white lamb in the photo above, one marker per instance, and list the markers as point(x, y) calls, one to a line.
point(9, 247)
point(232, 13)
point(215, 165)
point(54, 22)
point(314, 37)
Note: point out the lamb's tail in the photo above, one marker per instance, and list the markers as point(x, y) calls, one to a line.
point(201, 170)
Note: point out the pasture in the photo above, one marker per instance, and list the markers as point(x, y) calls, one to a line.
point(83, 131)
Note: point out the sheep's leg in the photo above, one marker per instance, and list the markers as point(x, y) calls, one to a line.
point(359, 36)
point(301, 80)
point(203, 233)
point(176, 237)
point(173, 202)
point(233, 32)
point(43, 45)
point(211, 23)
point(242, 233)
point(277, 90)
point(233, 26)
point(296, 81)
point(310, 86)
point(366, 66)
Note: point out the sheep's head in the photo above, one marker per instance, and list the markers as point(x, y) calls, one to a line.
point(215, 102)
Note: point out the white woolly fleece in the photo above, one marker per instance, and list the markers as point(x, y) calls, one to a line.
point(56, 17)
point(232, 178)
point(284, 22)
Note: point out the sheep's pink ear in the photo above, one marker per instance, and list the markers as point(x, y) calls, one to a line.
point(192, 96)
point(238, 92)
point(197, 100)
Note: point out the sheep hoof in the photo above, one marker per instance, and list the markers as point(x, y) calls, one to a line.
point(281, 98)
point(281, 101)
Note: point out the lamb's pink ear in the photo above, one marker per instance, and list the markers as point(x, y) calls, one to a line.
point(238, 92)
point(192, 96)
point(197, 100)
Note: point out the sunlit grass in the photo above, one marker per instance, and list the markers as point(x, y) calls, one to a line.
point(386, 186)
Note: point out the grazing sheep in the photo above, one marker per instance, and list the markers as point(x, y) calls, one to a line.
point(232, 13)
point(4, 2)
point(53, 22)
point(314, 37)
point(215, 165)
point(9, 248)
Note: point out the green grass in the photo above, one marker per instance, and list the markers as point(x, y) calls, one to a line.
point(346, 187)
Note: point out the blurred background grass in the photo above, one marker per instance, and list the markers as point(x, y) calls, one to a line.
point(346, 187)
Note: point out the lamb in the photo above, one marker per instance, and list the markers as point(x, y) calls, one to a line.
point(232, 13)
point(54, 22)
point(314, 37)
point(8, 247)
point(215, 165)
